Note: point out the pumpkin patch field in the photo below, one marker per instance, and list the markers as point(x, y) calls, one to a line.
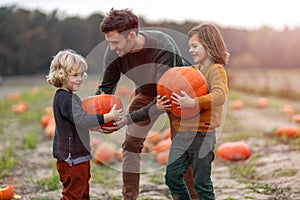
point(256, 153)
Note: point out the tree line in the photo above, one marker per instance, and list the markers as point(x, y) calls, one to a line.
point(29, 38)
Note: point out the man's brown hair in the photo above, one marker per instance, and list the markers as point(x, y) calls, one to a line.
point(122, 21)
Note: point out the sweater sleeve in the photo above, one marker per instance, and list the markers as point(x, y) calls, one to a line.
point(144, 113)
point(71, 109)
point(217, 83)
point(111, 74)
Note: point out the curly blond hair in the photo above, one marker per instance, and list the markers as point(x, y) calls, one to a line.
point(64, 63)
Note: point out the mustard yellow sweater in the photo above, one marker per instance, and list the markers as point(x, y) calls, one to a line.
point(211, 105)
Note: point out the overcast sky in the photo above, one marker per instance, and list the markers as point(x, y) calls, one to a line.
point(237, 13)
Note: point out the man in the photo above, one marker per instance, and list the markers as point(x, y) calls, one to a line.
point(143, 56)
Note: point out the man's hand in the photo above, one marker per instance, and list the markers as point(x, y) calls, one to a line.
point(162, 103)
point(121, 122)
point(108, 130)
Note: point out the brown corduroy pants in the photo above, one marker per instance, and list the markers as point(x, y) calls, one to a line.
point(75, 180)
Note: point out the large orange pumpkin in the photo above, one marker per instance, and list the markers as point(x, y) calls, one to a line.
point(7, 192)
point(101, 104)
point(233, 151)
point(179, 79)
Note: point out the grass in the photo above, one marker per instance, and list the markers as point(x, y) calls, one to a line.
point(30, 140)
point(294, 143)
point(103, 175)
point(287, 172)
point(230, 198)
point(267, 189)
point(234, 131)
point(266, 82)
point(22, 131)
point(51, 183)
point(245, 170)
point(8, 159)
point(157, 178)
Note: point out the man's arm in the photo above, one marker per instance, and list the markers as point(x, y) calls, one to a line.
point(111, 74)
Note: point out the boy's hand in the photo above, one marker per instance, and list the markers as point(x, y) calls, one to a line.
point(162, 103)
point(116, 114)
point(184, 101)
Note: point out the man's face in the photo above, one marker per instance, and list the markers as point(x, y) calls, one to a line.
point(119, 43)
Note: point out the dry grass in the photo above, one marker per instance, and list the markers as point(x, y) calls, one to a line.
point(282, 83)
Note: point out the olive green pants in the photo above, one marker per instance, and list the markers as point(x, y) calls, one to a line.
point(196, 149)
point(132, 147)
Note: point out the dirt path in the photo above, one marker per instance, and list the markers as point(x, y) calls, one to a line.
point(272, 157)
point(276, 164)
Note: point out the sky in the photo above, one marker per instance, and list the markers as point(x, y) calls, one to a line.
point(253, 14)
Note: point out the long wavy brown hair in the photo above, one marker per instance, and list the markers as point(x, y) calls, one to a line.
point(210, 37)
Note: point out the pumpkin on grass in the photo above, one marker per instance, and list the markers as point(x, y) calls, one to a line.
point(7, 192)
point(119, 154)
point(48, 110)
point(47, 119)
point(288, 110)
point(236, 105)
point(20, 107)
point(14, 96)
point(101, 104)
point(262, 102)
point(233, 151)
point(95, 143)
point(154, 137)
point(162, 157)
point(105, 153)
point(296, 118)
point(50, 130)
point(166, 134)
point(179, 79)
point(289, 131)
point(161, 146)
